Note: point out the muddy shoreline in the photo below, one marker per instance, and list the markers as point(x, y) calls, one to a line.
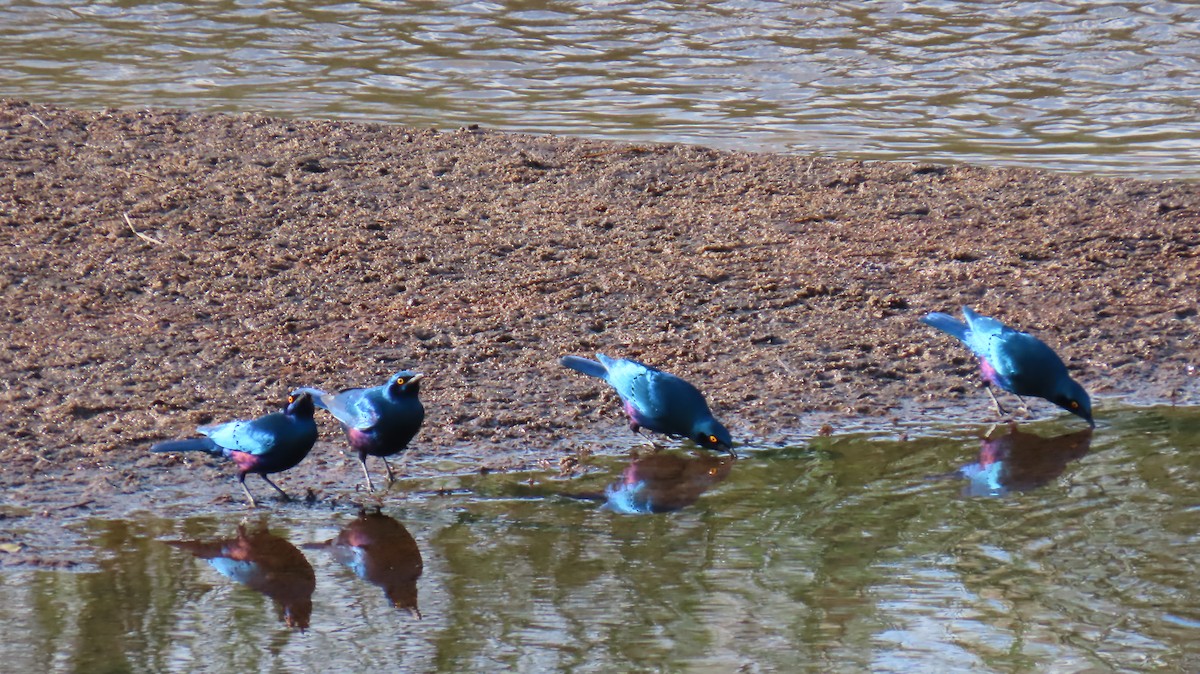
point(165, 269)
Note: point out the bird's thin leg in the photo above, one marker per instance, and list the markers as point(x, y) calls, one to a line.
point(281, 492)
point(363, 460)
point(637, 428)
point(249, 496)
point(999, 408)
point(391, 477)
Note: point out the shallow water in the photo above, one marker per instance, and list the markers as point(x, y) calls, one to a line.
point(852, 553)
point(1106, 87)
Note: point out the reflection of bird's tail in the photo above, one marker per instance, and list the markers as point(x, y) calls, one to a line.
point(946, 323)
point(189, 445)
point(588, 367)
point(318, 396)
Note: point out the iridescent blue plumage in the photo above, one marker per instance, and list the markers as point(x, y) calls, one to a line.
point(661, 483)
point(378, 549)
point(1015, 361)
point(378, 421)
point(269, 444)
point(265, 563)
point(657, 401)
point(1019, 461)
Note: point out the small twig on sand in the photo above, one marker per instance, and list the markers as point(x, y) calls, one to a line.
point(39, 121)
point(144, 237)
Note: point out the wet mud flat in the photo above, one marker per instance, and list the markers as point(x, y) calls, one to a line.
point(164, 269)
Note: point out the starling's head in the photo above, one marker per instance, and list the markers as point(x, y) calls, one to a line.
point(299, 404)
point(405, 383)
point(710, 434)
point(1072, 398)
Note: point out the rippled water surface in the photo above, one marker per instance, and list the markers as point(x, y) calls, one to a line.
point(1107, 87)
point(1044, 549)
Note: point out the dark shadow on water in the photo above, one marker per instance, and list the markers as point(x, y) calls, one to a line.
point(661, 483)
point(265, 563)
point(1019, 461)
point(378, 549)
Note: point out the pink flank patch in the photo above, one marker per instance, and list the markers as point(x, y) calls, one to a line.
point(989, 372)
point(631, 411)
point(991, 453)
point(630, 475)
point(244, 460)
point(358, 438)
point(355, 539)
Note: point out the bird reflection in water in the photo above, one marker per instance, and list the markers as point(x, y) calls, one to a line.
point(265, 563)
point(663, 482)
point(380, 550)
point(1018, 461)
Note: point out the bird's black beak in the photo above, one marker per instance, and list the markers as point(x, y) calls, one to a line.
point(1086, 415)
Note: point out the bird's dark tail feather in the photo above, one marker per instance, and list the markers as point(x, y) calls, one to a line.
point(589, 367)
point(189, 445)
point(946, 323)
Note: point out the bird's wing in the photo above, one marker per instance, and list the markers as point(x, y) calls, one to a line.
point(656, 391)
point(356, 407)
point(252, 437)
point(636, 384)
point(1023, 357)
point(982, 324)
point(681, 400)
point(987, 337)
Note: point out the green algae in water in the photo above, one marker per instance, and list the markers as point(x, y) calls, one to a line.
point(1065, 550)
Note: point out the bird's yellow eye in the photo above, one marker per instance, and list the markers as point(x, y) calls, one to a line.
point(712, 439)
point(1074, 404)
point(291, 399)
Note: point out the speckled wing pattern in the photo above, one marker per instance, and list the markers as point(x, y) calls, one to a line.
point(1012, 353)
point(985, 336)
point(664, 402)
point(252, 437)
point(637, 384)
